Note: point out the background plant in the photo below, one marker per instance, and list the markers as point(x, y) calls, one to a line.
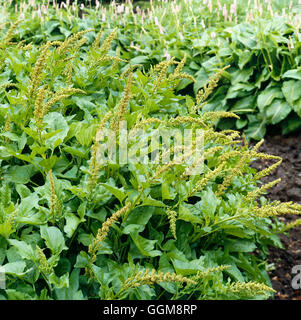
point(261, 42)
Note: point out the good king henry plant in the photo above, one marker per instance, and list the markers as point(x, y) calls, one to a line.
point(73, 226)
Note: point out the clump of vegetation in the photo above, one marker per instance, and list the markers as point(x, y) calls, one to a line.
point(260, 40)
point(74, 227)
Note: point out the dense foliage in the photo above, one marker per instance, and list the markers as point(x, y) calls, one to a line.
point(261, 42)
point(73, 228)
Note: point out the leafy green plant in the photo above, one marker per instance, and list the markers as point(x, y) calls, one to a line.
point(74, 228)
point(261, 43)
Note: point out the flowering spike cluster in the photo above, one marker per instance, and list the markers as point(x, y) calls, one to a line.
point(116, 59)
point(186, 119)
point(42, 109)
point(27, 47)
point(161, 68)
point(164, 168)
point(130, 69)
point(257, 146)
point(38, 108)
point(8, 85)
point(172, 122)
point(79, 44)
point(277, 208)
point(104, 230)
point(36, 74)
point(265, 172)
point(10, 32)
point(102, 124)
point(177, 74)
point(200, 185)
point(107, 42)
point(7, 126)
point(43, 263)
point(291, 225)
point(204, 93)
point(219, 137)
point(233, 173)
point(97, 39)
point(54, 203)
point(250, 288)
point(68, 72)
point(172, 216)
point(226, 156)
point(209, 271)
point(68, 43)
point(94, 166)
point(257, 192)
point(37, 70)
point(216, 115)
point(123, 103)
point(154, 277)
point(94, 169)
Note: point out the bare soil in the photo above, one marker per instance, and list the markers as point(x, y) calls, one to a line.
point(289, 189)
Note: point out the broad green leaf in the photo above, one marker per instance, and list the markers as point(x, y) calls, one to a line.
point(277, 111)
point(72, 222)
point(145, 246)
point(240, 246)
point(119, 194)
point(292, 91)
point(24, 249)
point(267, 97)
point(20, 174)
point(137, 219)
point(56, 123)
point(53, 238)
point(15, 268)
point(190, 214)
point(293, 74)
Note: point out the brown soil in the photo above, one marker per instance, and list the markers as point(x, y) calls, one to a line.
point(289, 189)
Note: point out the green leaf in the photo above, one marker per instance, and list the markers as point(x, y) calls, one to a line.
point(267, 97)
point(15, 268)
point(277, 111)
point(24, 249)
point(56, 123)
point(240, 246)
point(145, 246)
point(190, 213)
point(72, 222)
point(137, 219)
point(23, 191)
point(85, 133)
point(293, 74)
point(256, 130)
point(20, 174)
point(13, 294)
point(292, 91)
point(59, 282)
point(297, 107)
point(118, 193)
point(244, 105)
point(54, 239)
point(82, 260)
point(139, 60)
point(72, 292)
point(187, 268)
